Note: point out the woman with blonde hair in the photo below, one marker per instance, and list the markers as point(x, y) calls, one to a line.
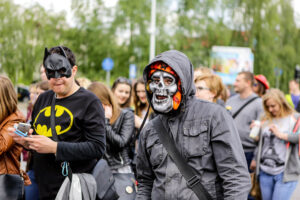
point(9, 150)
point(277, 159)
point(199, 71)
point(119, 127)
point(209, 87)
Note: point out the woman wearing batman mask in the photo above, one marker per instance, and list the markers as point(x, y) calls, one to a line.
point(79, 124)
point(203, 132)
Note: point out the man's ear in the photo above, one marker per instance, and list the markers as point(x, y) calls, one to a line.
point(74, 70)
point(249, 83)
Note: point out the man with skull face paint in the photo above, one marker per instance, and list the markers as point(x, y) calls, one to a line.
point(79, 124)
point(165, 86)
point(203, 132)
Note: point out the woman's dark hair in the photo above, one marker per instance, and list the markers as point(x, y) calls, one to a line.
point(123, 80)
point(138, 105)
point(261, 88)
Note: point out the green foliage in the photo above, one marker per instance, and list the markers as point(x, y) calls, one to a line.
point(122, 32)
point(23, 36)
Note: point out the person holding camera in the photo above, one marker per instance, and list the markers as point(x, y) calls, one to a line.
point(9, 150)
point(79, 123)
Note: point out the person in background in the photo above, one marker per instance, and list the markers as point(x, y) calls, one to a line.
point(260, 85)
point(31, 191)
point(33, 97)
point(278, 160)
point(119, 129)
point(84, 82)
point(140, 109)
point(252, 111)
point(121, 88)
point(294, 96)
point(9, 115)
point(140, 102)
point(42, 87)
point(225, 94)
point(202, 71)
point(209, 87)
point(43, 73)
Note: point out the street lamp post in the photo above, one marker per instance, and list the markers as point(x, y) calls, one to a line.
point(153, 30)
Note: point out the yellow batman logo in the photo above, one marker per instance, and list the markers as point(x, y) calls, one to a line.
point(63, 121)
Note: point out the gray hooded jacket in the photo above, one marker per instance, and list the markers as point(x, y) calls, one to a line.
point(205, 135)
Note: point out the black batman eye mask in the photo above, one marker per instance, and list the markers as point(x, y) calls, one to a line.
point(57, 66)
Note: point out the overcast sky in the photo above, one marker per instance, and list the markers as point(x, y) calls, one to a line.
point(65, 5)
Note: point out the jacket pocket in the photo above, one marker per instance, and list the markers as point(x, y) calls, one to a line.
point(154, 150)
point(195, 140)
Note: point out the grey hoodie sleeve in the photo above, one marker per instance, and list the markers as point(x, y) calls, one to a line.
point(145, 175)
point(229, 156)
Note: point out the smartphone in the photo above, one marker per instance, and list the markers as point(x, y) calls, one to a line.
point(22, 129)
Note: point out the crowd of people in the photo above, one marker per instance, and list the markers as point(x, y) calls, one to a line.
point(137, 125)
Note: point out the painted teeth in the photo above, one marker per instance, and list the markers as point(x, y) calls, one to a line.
point(161, 100)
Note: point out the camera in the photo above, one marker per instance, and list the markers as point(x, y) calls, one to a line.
point(22, 129)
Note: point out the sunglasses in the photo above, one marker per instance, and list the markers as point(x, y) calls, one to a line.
point(123, 80)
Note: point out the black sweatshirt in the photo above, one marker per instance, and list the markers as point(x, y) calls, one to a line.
point(80, 126)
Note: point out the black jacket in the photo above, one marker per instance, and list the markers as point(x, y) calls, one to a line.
point(118, 137)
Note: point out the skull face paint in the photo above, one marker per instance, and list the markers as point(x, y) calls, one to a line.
point(163, 86)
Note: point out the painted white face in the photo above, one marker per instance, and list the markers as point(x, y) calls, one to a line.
point(163, 86)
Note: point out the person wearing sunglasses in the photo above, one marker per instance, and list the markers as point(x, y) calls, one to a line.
point(260, 85)
point(209, 87)
point(121, 88)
